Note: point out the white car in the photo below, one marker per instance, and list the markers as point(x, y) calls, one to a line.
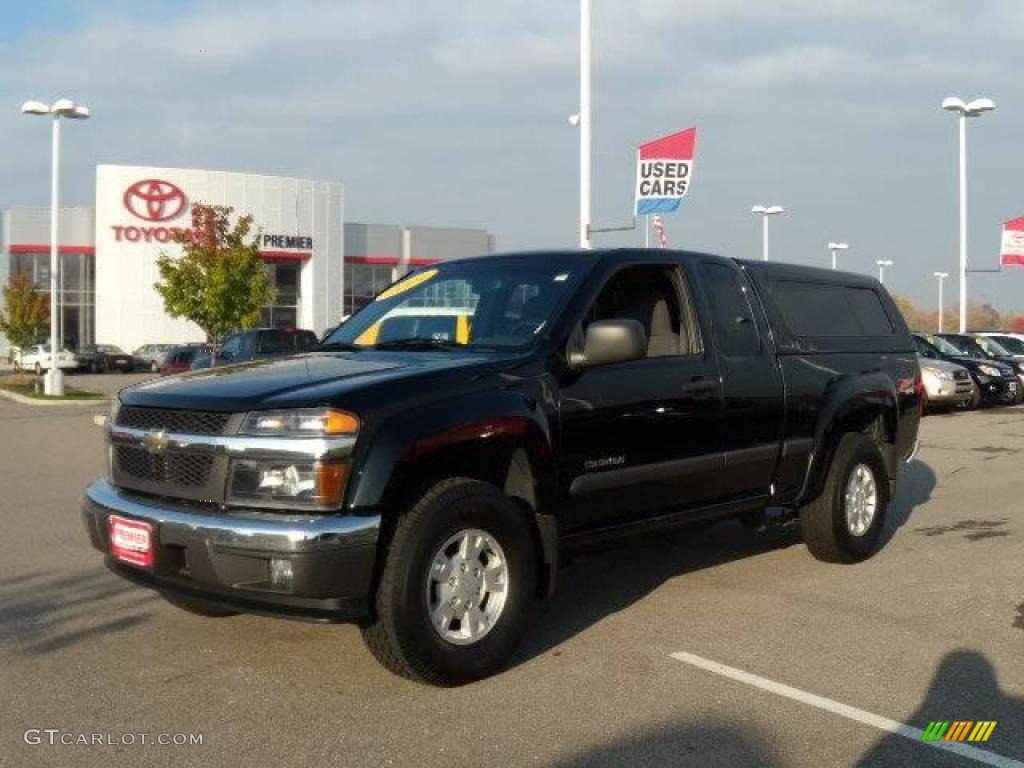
point(37, 358)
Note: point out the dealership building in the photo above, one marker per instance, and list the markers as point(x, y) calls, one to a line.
point(321, 266)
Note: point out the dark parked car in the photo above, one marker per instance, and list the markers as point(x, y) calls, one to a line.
point(265, 343)
point(997, 382)
point(103, 358)
point(151, 356)
point(180, 359)
point(426, 487)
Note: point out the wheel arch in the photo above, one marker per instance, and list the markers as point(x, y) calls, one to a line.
point(865, 404)
point(498, 438)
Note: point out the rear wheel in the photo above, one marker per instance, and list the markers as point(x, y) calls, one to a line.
point(844, 524)
point(458, 586)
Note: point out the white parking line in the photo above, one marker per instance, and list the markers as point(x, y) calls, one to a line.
point(851, 713)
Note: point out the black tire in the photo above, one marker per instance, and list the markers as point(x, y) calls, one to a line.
point(974, 402)
point(197, 609)
point(823, 522)
point(401, 635)
point(1019, 396)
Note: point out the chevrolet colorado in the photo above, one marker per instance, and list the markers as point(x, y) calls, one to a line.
point(421, 472)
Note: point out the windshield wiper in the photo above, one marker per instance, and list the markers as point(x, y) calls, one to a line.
point(343, 346)
point(418, 342)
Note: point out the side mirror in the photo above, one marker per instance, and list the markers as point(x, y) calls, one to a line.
point(613, 341)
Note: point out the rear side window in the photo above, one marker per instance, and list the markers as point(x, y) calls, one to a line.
point(822, 310)
point(731, 313)
point(274, 342)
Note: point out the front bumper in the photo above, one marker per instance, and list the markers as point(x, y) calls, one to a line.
point(223, 559)
point(998, 390)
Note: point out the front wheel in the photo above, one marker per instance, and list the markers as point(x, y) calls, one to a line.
point(844, 524)
point(458, 585)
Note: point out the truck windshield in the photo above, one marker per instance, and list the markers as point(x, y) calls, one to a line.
point(486, 303)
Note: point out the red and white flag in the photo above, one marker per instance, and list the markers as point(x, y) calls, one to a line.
point(659, 227)
point(1012, 252)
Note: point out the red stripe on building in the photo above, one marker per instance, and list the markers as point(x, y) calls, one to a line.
point(1015, 225)
point(27, 248)
point(286, 255)
point(1012, 259)
point(389, 261)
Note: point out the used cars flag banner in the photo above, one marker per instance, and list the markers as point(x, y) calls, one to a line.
point(663, 171)
point(1012, 252)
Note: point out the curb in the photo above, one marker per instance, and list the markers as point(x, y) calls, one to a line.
point(24, 400)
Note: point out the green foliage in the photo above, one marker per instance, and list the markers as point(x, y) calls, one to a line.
point(219, 282)
point(27, 317)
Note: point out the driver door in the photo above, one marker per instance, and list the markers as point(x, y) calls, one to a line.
point(642, 437)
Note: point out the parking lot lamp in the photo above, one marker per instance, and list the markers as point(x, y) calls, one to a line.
point(53, 384)
point(942, 276)
point(970, 109)
point(882, 264)
point(835, 248)
point(765, 211)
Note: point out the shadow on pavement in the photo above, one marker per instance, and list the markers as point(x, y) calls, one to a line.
point(679, 745)
point(964, 688)
point(40, 614)
point(913, 489)
point(605, 580)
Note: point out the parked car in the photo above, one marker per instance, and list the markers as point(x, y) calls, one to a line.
point(948, 385)
point(997, 383)
point(103, 358)
point(989, 349)
point(151, 356)
point(180, 359)
point(265, 343)
point(1010, 344)
point(426, 487)
point(37, 359)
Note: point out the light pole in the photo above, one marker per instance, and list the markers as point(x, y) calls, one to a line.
point(942, 276)
point(765, 211)
point(970, 109)
point(53, 384)
point(582, 120)
point(882, 264)
point(835, 248)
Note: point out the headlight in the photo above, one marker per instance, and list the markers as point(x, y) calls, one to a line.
point(940, 373)
point(284, 483)
point(990, 370)
point(300, 422)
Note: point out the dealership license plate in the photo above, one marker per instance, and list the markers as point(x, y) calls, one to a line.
point(131, 541)
point(1013, 386)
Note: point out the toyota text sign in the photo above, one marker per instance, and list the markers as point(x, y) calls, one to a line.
point(663, 172)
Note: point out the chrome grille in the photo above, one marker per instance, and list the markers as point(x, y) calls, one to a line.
point(174, 421)
point(177, 469)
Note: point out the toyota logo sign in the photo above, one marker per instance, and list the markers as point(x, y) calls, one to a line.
point(155, 200)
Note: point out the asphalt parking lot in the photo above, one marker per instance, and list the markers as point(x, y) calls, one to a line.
point(714, 648)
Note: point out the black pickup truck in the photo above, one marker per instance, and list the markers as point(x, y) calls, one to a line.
point(422, 471)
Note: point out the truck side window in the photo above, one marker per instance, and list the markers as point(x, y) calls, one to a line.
point(731, 314)
point(649, 295)
point(231, 348)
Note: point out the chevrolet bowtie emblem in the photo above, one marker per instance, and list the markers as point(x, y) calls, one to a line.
point(156, 442)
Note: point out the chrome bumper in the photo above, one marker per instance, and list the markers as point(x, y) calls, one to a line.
point(225, 558)
point(255, 531)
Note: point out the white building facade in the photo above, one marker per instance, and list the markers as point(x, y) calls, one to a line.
point(139, 209)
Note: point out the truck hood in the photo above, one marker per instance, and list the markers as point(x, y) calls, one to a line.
point(316, 378)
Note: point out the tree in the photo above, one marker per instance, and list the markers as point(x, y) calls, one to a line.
point(219, 282)
point(28, 312)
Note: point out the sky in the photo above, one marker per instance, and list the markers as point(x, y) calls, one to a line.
point(454, 113)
